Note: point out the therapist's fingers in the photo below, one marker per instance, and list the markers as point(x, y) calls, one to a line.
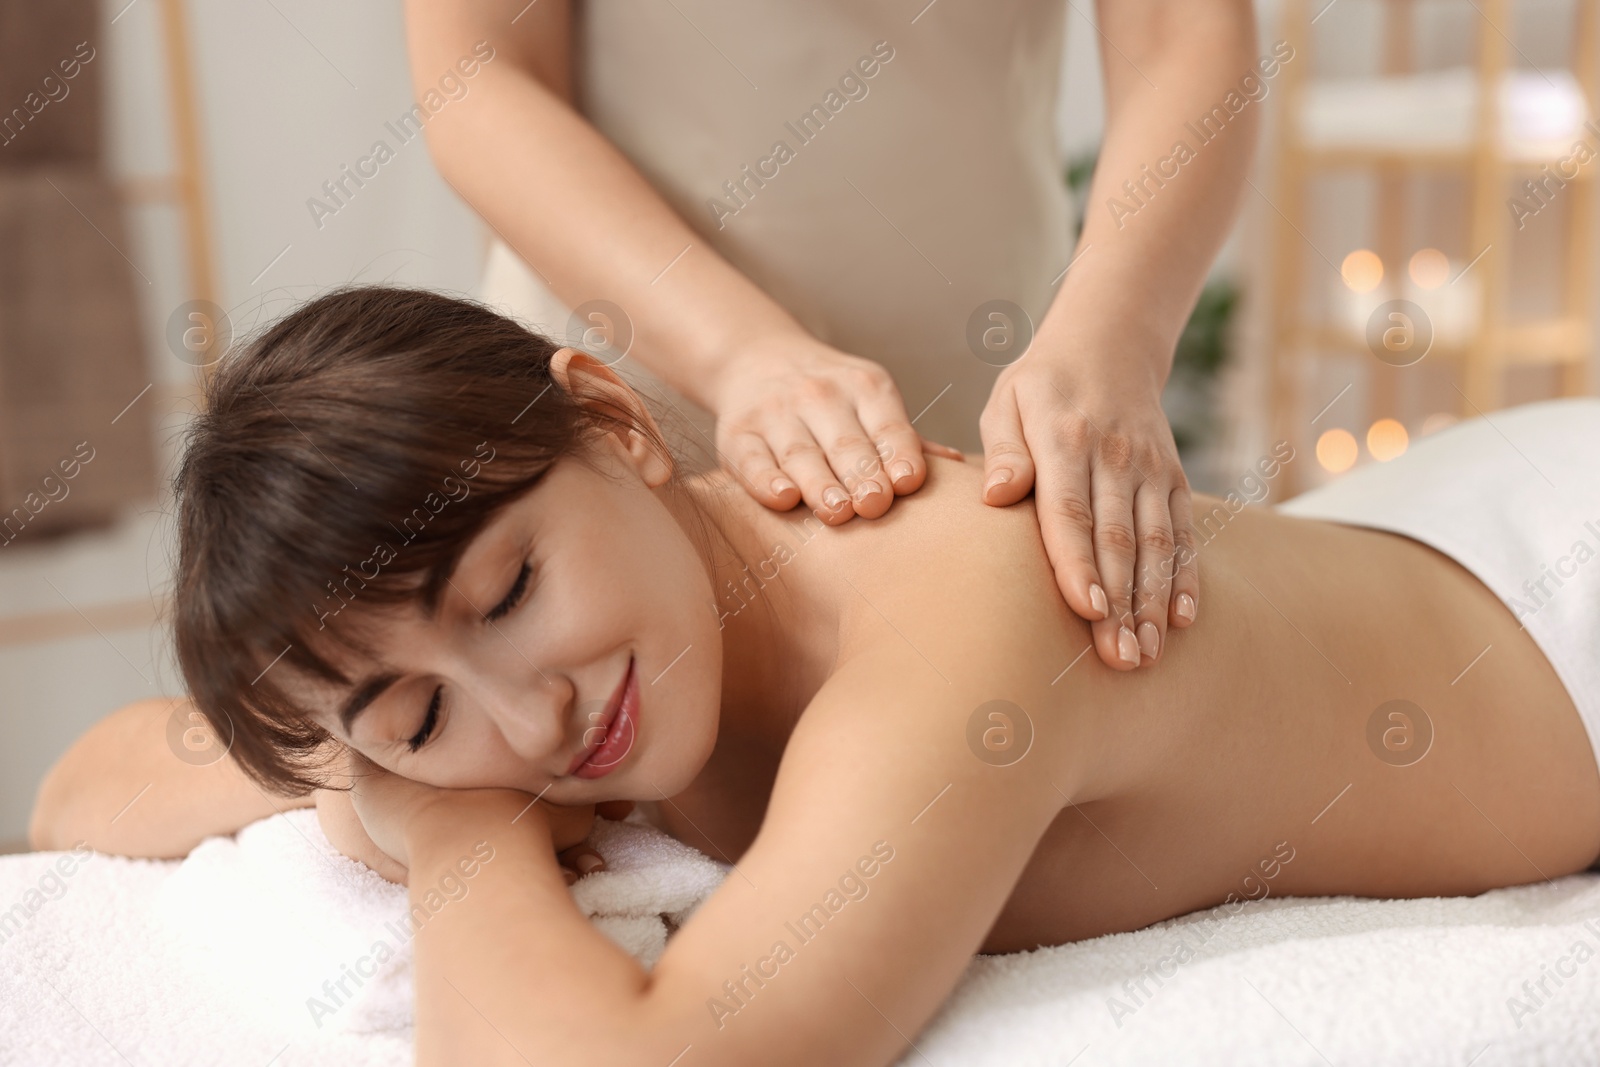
point(852, 456)
point(897, 446)
point(1115, 544)
point(1066, 523)
point(943, 450)
point(1153, 567)
point(747, 453)
point(1186, 558)
point(803, 460)
point(1008, 471)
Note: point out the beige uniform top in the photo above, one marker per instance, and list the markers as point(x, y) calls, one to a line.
point(882, 178)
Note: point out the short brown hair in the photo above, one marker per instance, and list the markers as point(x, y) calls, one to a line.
point(333, 443)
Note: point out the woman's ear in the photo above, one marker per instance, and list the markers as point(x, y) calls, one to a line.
point(591, 382)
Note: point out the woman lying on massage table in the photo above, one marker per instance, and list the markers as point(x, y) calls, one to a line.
point(891, 729)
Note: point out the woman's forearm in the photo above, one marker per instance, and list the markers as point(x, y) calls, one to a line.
point(572, 205)
point(148, 780)
point(1156, 216)
point(482, 973)
point(827, 919)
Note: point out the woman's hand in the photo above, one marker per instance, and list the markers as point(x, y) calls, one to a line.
point(1112, 498)
point(797, 419)
point(368, 821)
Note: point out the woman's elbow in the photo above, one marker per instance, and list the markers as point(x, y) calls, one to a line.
point(45, 832)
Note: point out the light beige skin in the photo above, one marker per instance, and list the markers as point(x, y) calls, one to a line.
point(831, 716)
point(1079, 420)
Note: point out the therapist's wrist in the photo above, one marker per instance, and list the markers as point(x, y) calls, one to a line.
point(1129, 368)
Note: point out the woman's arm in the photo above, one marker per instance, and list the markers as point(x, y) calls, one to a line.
point(574, 208)
point(887, 852)
point(122, 788)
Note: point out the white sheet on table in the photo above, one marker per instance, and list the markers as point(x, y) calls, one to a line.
point(213, 960)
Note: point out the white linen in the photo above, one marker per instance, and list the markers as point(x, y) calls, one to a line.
point(215, 959)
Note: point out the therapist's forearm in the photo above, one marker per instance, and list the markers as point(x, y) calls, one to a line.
point(575, 208)
point(1138, 274)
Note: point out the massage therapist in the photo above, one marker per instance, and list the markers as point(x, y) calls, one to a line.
point(840, 226)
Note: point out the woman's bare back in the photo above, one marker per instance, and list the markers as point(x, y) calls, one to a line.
point(1352, 713)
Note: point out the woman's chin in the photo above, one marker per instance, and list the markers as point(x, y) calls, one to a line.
point(664, 776)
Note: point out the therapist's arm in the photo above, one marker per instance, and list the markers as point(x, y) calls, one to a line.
point(796, 418)
point(1080, 415)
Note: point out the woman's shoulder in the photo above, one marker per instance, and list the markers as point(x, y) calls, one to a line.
point(950, 575)
point(947, 519)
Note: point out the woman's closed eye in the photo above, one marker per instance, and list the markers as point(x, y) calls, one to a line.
point(429, 721)
point(514, 596)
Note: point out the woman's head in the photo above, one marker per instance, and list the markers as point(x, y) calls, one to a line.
point(400, 496)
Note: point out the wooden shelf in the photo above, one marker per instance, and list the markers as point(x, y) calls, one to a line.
point(1492, 168)
point(1356, 158)
point(1553, 342)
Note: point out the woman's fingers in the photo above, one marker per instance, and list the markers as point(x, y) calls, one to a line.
point(615, 810)
point(580, 860)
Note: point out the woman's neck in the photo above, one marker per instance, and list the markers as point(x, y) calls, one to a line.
point(779, 610)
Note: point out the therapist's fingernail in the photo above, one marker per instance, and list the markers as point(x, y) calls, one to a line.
point(569, 876)
point(999, 477)
point(900, 471)
point(867, 488)
point(1149, 639)
point(588, 862)
point(834, 498)
point(1127, 645)
point(1186, 606)
point(1097, 599)
point(781, 486)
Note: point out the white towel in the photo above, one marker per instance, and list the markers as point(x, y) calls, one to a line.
point(214, 960)
point(236, 953)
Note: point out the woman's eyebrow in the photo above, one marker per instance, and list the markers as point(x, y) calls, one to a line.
point(364, 694)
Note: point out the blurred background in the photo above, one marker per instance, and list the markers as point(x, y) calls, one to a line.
point(1415, 246)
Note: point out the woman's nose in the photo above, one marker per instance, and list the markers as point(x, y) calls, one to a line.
point(530, 717)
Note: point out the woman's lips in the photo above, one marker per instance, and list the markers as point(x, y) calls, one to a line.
point(619, 730)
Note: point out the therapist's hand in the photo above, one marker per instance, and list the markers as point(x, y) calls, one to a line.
point(1112, 498)
point(798, 419)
